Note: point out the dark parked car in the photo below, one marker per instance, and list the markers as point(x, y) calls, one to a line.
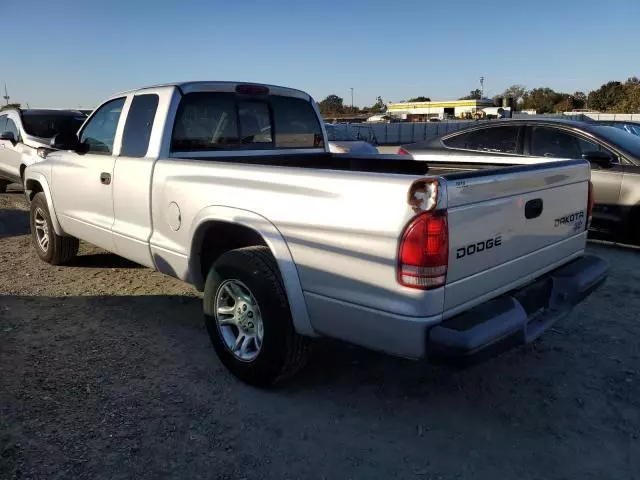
point(614, 155)
point(630, 127)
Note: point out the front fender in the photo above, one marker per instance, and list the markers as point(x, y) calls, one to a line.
point(37, 177)
point(276, 243)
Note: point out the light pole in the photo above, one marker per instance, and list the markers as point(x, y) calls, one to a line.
point(481, 88)
point(352, 98)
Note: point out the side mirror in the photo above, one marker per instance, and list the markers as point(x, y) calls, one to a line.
point(9, 137)
point(65, 141)
point(602, 159)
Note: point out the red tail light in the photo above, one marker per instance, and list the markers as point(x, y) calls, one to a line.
point(423, 256)
point(590, 203)
point(402, 151)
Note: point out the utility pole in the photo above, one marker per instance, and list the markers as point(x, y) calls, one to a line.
point(481, 88)
point(352, 98)
point(6, 95)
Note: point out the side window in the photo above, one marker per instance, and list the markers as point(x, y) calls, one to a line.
point(11, 127)
point(553, 142)
point(589, 146)
point(137, 129)
point(205, 121)
point(495, 139)
point(3, 123)
point(296, 123)
point(100, 132)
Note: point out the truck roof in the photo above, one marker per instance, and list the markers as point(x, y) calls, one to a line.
point(221, 86)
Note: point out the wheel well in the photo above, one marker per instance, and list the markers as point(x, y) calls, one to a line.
point(216, 237)
point(23, 167)
point(33, 187)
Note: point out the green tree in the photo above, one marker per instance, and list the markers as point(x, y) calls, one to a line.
point(607, 96)
point(543, 100)
point(579, 100)
point(630, 101)
point(331, 105)
point(378, 107)
point(9, 105)
point(514, 91)
point(473, 95)
point(419, 99)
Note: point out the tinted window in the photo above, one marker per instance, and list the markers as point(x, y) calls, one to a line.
point(3, 123)
point(100, 132)
point(553, 142)
point(206, 121)
point(497, 139)
point(255, 123)
point(137, 130)
point(11, 127)
point(224, 121)
point(48, 125)
point(296, 123)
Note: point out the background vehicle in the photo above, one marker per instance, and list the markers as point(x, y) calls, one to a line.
point(614, 156)
point(25, 138)
point(290, 242)
point(349, 139)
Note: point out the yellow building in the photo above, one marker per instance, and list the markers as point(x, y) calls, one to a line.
point(424, 111)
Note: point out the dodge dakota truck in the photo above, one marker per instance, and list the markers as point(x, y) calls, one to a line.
point(232, 188)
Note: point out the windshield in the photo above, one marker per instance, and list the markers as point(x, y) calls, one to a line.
point(624, 140)
point(340, 134)
point(49, 124)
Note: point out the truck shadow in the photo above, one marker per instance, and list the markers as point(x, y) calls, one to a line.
point(102, 260)
point(13, 223)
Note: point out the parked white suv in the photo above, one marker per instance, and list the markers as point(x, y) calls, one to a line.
point(25, 136)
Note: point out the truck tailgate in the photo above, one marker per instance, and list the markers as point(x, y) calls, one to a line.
point(507, 228)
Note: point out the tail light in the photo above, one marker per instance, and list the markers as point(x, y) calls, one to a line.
point(590, 203)
point(423, 256)
point(252, 89)
point(402, 151)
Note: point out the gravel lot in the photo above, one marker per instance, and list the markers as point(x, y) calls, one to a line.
point(106, 372)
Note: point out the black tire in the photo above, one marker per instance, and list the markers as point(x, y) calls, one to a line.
point(59, 249)
point(3, 186)
point(283, 352)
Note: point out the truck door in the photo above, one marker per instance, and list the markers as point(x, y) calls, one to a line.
point(132, 177)
point(82, 182)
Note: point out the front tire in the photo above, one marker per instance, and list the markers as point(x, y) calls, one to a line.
point(248, 318)
point(50, 247)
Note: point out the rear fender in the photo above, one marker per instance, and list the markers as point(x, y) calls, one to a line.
point(276, 243)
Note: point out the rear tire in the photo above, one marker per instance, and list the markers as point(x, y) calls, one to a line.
point(281, 351)
point(50, 247)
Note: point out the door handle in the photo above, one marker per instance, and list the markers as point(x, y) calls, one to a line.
point(105, 178)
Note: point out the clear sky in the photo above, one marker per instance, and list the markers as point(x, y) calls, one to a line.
point(74, 53)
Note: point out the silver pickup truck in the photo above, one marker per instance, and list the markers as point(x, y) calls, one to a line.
point(231, 187)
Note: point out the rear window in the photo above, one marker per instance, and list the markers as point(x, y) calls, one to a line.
point(227, 121)
point(48, 125)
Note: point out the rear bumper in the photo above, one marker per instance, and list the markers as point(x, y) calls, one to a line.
point(517, 317)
